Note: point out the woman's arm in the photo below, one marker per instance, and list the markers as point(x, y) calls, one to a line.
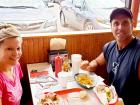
point(0, 102)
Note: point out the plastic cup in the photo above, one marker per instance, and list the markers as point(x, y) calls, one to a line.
point(76, 61)
point(63, 78)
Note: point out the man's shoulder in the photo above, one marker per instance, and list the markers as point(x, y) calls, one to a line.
point(138, 40)
point(110, 44)
point(137, 45)
point(108, 47)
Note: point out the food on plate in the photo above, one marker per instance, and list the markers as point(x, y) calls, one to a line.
point(100, 89)
point(75, 99)
point(84, 80)
point(74, 95)
point(83, 94)
point(50, 99)
point(106, 94)
point(109, 94)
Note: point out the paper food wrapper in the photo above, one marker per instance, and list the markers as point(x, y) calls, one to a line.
point(102, 95)
point(57, 43)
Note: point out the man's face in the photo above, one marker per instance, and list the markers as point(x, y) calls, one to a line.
point(121, 27)
point(10, 51)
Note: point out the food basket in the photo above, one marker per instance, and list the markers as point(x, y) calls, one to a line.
point(85, 80)
point(106, 94)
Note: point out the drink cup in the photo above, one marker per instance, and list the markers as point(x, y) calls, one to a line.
point(76, 61)
point(63, 78)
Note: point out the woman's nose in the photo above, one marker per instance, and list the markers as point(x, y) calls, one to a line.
point(15, 52)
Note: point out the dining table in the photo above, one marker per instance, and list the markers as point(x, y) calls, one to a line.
point(42, 80)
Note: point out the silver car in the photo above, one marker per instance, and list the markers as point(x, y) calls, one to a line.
point(87, 14)
point(29, 16)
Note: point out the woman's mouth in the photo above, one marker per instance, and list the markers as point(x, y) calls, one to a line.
point(14, 59)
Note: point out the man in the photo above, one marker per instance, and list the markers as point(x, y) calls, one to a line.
point(121, 57)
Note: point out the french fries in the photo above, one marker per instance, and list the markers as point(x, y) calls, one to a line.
point(84, 79)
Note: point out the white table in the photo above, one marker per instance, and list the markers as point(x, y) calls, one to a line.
point(36, 87)
point(37, 90)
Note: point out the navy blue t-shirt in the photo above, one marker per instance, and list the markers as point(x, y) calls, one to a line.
point(122, 67)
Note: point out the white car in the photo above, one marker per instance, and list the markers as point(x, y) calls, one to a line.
point(87, 14)
point(29, 16)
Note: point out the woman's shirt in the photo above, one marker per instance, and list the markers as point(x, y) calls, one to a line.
point(11, 90)
point(122, 66)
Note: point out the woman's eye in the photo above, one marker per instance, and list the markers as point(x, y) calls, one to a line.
point(18, 48)
point(10, 49)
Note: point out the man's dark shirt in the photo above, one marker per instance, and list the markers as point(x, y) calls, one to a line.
point(122, 66)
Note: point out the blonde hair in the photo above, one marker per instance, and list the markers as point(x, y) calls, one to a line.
point(8, 31)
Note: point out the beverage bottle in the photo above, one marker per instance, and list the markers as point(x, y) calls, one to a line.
point(66, 63)
point(58, 64)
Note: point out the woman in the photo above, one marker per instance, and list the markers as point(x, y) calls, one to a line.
point(10, 70)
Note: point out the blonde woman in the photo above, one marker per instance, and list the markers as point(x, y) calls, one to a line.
point(10, 70)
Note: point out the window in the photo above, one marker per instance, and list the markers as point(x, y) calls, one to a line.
point(87, 15)
point(28, 15)
point(45, 16)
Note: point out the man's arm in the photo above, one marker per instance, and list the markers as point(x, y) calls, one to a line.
point(99, 61)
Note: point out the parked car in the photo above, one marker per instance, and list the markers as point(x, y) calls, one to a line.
point(87, 14)
point(29, 16)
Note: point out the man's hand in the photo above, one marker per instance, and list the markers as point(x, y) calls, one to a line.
point(85, 65)
point(93, 65)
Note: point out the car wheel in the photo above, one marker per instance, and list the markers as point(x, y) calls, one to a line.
point(62, 19)
point(88, 26)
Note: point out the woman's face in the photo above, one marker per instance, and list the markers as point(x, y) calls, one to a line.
point(10, 51)
point(121, 27)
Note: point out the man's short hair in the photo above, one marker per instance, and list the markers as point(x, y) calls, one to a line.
point(121, 11)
